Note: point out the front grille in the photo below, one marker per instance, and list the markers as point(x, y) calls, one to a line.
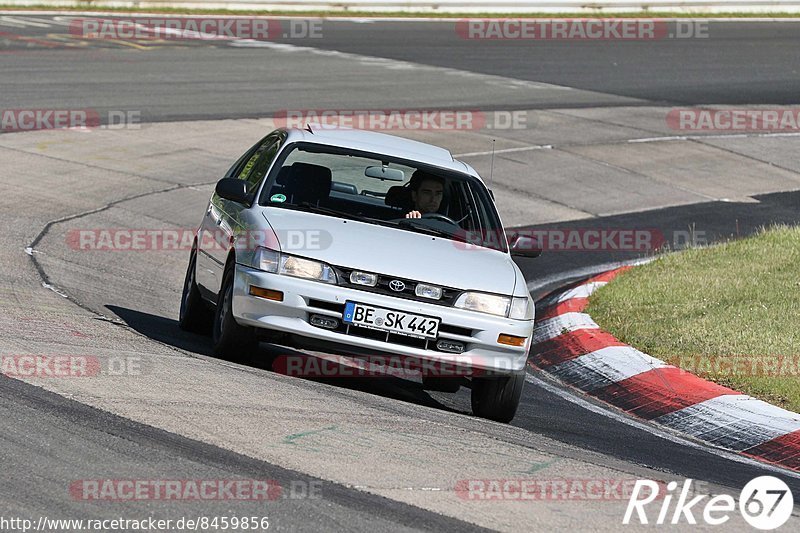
point(449, 294)
point(328, 306)
point(455, 330)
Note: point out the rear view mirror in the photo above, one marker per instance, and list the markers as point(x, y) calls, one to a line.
point(384, 173)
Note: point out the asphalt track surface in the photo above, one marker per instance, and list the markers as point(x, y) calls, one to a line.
point(738, 63)
point(49, 440)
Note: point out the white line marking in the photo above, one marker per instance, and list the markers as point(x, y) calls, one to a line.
point(54, 289)
point(717, 136)
point(396, 64)
point(63, 21)
point(378, 18)
point(640, 141)
point(18, 22)
point(666, 435)
point(7, 21)
point(508, 150)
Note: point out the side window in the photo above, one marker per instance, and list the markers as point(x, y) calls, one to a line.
point(465, 206)
point(255, 168)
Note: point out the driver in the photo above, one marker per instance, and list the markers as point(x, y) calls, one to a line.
point(427, 191)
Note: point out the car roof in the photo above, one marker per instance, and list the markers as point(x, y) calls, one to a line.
point(381, 143)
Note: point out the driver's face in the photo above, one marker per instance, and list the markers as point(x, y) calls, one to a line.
point(428, 197)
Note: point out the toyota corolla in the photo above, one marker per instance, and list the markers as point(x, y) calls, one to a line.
point(360, 243)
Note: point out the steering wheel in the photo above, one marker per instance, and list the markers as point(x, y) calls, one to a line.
point(441, 217)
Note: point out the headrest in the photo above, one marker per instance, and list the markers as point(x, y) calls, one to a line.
point(283, 175)
point(399, 196)
point(308, 183)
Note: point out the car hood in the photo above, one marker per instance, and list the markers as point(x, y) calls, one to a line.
point(391, 251)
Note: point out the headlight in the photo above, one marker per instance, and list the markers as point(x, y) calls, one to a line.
point(518, 308)
point(521, 308)
point(289, 265)
point(484, 303)
point(306, 268)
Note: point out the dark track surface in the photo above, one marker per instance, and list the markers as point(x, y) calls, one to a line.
point(738, 63)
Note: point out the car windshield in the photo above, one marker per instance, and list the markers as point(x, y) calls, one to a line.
point(382, 190)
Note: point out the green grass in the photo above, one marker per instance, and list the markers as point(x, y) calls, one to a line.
point(729, 313)
point(91, 6)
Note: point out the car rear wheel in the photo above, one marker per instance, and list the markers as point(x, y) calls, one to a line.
point(497, 398)
point(194, 316)
point(231, 340)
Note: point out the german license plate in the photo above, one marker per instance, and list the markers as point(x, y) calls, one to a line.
point(400, 322)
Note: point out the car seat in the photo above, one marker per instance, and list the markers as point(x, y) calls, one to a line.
point(308, 183)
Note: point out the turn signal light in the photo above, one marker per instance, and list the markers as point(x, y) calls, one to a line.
point(266, 293)
point(511, 340)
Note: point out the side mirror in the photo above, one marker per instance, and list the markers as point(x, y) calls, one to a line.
point(524, 246)
point(233, 189)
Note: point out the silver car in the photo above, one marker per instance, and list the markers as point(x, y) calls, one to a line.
point(360, 243)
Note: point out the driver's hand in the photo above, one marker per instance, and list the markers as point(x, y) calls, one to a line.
point(414, 214)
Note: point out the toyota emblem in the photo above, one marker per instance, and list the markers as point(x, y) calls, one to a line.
point(397, 286)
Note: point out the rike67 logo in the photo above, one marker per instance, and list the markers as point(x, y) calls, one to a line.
point(765, 503)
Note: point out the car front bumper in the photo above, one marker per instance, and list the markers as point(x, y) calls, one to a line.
point(302, 298)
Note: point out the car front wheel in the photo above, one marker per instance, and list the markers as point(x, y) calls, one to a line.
point(497, 398)
point(231, 340)
point(194, 316)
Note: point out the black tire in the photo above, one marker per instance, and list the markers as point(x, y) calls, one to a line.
point(195, 316)
point(231, 341)
point(442, 384)
point(497, 398)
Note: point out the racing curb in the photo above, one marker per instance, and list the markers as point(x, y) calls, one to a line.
point(568, 344)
